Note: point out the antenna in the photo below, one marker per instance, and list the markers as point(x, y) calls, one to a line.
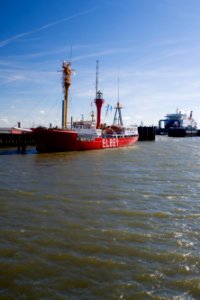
point(97, 76)
point(118, 89)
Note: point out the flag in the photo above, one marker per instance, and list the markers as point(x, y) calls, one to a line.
point(107, 109)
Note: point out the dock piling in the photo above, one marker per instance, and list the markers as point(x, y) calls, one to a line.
point(147, 133)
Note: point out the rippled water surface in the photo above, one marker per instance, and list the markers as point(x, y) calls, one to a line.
point(106, 224)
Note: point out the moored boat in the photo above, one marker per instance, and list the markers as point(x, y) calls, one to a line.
point(84, 135)
point(178, 124)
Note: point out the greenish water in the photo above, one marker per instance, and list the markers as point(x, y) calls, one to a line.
point(106, 224)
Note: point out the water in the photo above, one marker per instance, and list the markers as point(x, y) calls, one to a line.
point(110, 224)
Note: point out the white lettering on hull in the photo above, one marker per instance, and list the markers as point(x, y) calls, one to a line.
point(109, 143)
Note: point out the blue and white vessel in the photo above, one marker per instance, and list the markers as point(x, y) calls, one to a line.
point(178, 124)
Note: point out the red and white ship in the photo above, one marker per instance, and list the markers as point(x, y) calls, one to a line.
point(84, 135)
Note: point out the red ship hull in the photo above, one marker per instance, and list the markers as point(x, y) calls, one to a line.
point(55, 140)
point(84, 135)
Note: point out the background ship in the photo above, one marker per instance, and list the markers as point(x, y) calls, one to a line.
point(178, 125)
point(84, 135)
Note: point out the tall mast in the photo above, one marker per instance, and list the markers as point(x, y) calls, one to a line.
point(99, 98)
point(67, 82)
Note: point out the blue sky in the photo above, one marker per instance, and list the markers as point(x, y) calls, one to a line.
point(151, 46)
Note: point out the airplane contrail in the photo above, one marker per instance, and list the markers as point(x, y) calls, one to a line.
point(17, 36)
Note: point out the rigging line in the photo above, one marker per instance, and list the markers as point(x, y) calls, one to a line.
point(70, 55)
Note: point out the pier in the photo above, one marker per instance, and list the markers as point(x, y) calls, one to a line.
point(16, 138)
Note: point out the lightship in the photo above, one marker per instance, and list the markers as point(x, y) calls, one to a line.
point(84, 135)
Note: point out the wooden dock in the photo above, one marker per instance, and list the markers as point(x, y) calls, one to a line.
point(16, 138)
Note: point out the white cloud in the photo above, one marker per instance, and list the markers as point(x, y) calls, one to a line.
point(4, 120)
point(42, 112)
